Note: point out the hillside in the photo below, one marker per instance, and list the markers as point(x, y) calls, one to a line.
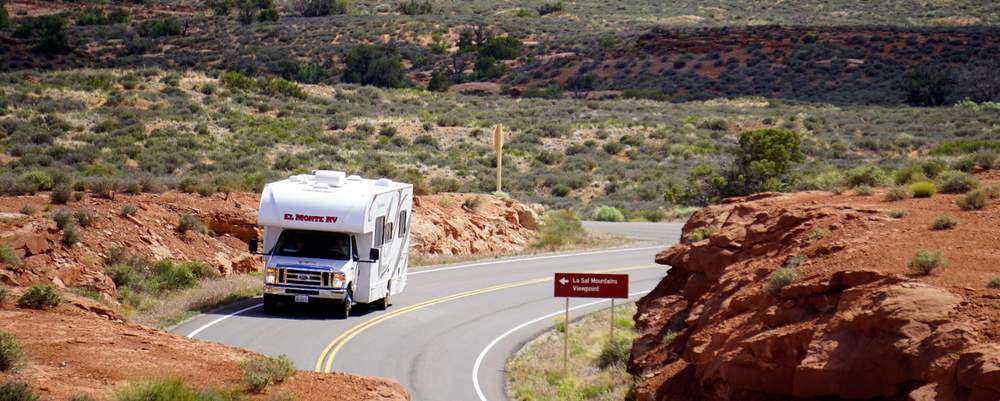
point(818, 296)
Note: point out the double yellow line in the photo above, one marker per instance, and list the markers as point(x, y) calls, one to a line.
point(331, 349)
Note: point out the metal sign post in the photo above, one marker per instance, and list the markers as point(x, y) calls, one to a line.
point(498, 147)
point(588, 285)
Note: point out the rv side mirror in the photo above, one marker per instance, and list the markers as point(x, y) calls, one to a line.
point(252, 245)
point(373, 255)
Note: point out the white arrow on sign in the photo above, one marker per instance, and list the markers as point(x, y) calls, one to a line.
point(563, 281)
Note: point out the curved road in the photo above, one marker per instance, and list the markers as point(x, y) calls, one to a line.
point(449, 334)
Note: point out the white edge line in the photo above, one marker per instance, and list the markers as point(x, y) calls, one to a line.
point(214, 322)
point(482, 355)
point(510, 260)
point(465, 266)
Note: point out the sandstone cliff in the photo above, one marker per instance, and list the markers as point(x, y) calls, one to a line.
point(853, 324)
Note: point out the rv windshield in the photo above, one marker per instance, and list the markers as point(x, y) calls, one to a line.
point(314, 244)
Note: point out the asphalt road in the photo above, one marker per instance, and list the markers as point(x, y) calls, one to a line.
point(448, 335)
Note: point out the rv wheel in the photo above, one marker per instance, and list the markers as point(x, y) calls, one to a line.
point(343, 309)
point(383, 303)
point(270, 304)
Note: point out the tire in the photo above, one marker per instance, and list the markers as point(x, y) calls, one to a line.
point(270, 304)
point(384, 303)
point(342, 310)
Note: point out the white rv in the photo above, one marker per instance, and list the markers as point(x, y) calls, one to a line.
point(330, 238)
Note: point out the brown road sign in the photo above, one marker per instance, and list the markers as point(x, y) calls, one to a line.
point(591, 285)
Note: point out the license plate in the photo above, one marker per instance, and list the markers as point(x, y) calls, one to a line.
point(301, 299)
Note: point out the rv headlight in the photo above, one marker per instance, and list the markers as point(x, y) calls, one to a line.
point(338, 280)
point(271, 276)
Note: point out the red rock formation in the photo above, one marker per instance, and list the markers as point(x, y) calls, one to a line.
point(715, 330)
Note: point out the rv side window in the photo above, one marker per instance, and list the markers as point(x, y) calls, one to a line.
point(402, 223)
point(388, 233)
point(378, 239)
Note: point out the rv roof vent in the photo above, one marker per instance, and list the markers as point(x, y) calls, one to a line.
point(320, 185)
point(383, 182)
point(354, 177)
point(295, 179)
point(331, 178)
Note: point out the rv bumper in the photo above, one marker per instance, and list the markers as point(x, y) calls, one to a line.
point(292, 291)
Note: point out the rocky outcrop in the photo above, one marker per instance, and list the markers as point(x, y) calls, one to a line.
point(468, 224)
point(718, 328)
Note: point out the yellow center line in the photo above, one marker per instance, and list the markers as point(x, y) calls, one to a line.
point(330, 351)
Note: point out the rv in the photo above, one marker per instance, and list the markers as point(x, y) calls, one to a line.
point(335, 240)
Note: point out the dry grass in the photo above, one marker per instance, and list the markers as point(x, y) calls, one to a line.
point(208, 294)
point(536, 372)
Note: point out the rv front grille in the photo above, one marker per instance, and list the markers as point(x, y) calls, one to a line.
point(303, 277)
point(302, 292)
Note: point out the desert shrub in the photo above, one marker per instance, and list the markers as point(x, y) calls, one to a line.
point(174, 276)
point(607, 213)
point(40, 180)
point(220, 7)
point(501, 48)
point(128, 210)
point(944, 222)
point(781, 278)
point(549, 8)
point(414, 7)
point(4, 17)
point(701, 233)
point(63, 219)
point(897, 213)
point(442, 184)
point(974, 200)
point(438, 82)
point(871, 176)
point(863, 190)
point(764, 157)
point(645, 93)
point(957, 182)
point(614, 352)
point(818, 233)
point(81, 397)
point(268, 14)
point(27, 210)
point(994, 283)
point(560, 227)
point(923, 189)
point(472, 204)
point(40, 296)
point(171, 389)
point(61, 194)
point(985, 159)
point(96, 16)
point(85, 217)
point(103, 187)
point(156, 28)
point(70, 235)
point(320, 8)
point(374, 65)
point(7, 255)
point(123, 275)
point(4, 294)
point(262, 371)
point(16, 391)
point(926, 262)
point(187, 222)
point(929, 85)
point(899, 193)
point(48, 32)
point(11, 355)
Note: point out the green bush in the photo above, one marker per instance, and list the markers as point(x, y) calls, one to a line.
point(929, 84)
point(40, 296)
point(549, 8)
point(262, 371)
point(63, 219)
point(188, 222)
point(899, 193)
point(607, 213)
point(615, 352)
point(174, 276)
point(71, 235)
point(11, 356)
point(320, 8)
point(974, 200)
point(123, 275)
point(48, 32)
point(781, 278)
point(85, 217)
point(863, 190)
point(701, 233)
point(128, 210)
point(16, 391)
point(764, 156)
point(374, 65)
point(925, 262)
point(171, 390)
point(561, 227)
point(414, 7)
point(439, 82)
point(27, 210)
point(41, 180)
point(61, 194)
point(4, 17)
point(155, 28)
point(994, 283)
point(897, 213)
point(944, 222)
point(501, 48)
point(7, 255)
point(957, 182)
point(923, 189)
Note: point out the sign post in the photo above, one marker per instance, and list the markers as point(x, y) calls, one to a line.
point(498, 147)
point(588, 285)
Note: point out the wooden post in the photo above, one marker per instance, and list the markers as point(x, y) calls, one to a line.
point(498, 147)
point(566, 342)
